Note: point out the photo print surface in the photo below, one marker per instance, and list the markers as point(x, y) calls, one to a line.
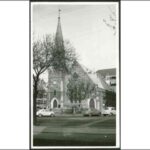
point(75, 75)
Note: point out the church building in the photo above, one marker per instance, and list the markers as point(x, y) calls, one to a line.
point(58, 81)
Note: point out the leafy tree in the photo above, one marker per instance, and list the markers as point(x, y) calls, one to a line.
point(63, 57)
point(78, 89)
point(110, 98)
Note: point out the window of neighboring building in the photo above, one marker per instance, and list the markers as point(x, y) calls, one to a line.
point(113, 77)
point(113, 84)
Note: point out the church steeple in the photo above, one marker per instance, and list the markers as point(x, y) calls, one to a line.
point(59, 36)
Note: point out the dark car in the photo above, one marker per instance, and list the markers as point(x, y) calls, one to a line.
point(91, 112)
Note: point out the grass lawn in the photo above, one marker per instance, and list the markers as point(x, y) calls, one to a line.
point(106, 124)
point(75, 131)
point(60, 139)
point(61, 122)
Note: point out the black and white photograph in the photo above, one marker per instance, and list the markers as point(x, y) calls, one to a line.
point(75, 99)
point(74, 74)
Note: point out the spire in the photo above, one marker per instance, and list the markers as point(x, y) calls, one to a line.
point(59, 10)
point(59, 36)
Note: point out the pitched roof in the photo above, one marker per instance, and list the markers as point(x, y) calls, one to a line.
point(98, 80)
point(104, 72)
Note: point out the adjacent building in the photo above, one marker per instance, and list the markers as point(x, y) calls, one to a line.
point(109, 76)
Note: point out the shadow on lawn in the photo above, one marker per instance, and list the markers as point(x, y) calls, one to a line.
point(46, 142)
point(76, 140)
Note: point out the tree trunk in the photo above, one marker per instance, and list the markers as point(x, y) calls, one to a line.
point(35, 94)
point(74, 107)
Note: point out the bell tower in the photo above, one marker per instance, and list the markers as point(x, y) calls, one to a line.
point(56, 79)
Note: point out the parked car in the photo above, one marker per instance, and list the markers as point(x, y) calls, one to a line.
point(108, 111)
point(45, 112)
point(91, 112)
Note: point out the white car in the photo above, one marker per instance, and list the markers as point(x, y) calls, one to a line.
point(45, 112)
point(109, 111)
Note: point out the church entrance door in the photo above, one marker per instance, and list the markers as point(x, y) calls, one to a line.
point(92, 104)
point(55, 104)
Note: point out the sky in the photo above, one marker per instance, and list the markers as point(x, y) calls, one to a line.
point(83, 25)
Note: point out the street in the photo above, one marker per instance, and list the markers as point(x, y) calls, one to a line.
point(75, 130)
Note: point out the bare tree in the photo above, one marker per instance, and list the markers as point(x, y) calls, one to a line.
point(46, 54)
point(42, 88)
point(41, 61)
point(111, 22)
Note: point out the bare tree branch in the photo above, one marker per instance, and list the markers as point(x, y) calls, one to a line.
point(46, 54)
point(111, 23)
